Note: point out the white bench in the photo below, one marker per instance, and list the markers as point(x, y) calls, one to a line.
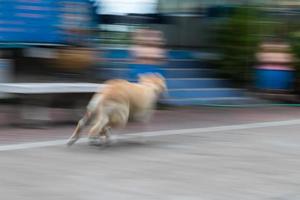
point(36, 97)
point(49, 88)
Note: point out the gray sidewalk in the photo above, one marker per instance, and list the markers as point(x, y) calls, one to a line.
point(232, 162)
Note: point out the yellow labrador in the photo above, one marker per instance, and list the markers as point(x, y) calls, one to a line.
point(120, 101)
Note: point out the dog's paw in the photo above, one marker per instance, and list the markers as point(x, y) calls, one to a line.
point(71, 141)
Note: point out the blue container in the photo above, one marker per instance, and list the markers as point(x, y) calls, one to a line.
point(274, 79)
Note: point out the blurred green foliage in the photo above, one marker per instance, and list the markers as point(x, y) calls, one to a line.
point(238, 38)
point(295, 44)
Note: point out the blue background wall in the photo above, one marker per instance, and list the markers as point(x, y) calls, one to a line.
point(32, 21)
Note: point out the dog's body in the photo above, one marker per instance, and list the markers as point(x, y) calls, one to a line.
point(120, 101)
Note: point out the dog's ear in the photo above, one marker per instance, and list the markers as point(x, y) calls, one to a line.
point(159, 76)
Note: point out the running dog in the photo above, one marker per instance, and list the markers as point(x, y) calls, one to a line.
point(119, 102)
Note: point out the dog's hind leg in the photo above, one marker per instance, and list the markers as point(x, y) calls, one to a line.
point(76, 134)
point(97, 130)
point(106, 132)
point(120, 119)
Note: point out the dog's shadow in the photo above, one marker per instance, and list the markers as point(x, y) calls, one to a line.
point(125, 144)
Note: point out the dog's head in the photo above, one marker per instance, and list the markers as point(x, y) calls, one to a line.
point(155, 80)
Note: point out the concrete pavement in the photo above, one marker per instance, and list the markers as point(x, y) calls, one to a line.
point(245, 163)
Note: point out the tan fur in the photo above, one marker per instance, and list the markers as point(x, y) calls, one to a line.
point(118, 102)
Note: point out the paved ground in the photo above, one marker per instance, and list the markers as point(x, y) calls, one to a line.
point(221, 154)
